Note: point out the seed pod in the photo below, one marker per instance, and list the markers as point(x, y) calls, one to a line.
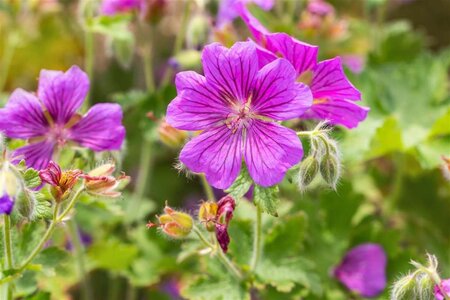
point(308, 171)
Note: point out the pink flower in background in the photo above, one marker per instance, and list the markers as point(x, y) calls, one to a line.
point(228, 13)
point(49, 120)
point(112, 7)
point(237, 105)
point(355, 63)
point(445, 287)
point(334, 95)
point(363, 270)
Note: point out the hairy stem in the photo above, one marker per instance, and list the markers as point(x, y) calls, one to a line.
point(257, 240)
point(8, 252)
point(222, 257)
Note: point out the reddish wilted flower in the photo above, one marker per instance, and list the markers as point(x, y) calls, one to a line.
point(334, 95)
point(100, 182)
point(363, 270)
point(174, 223)
point(62, 182)
point(226, 207)
point(238, 106)
point(445, 287)
point(50, 120)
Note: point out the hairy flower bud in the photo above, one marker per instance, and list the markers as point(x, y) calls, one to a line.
point(197, 31)
point(404, 288)
point(99, 181)
point(330, 169)
point(174, 223)
point(308, 171)
point(207, 215)
point(170, 136)
point(61, 182)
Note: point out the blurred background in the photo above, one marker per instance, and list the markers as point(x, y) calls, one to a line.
point(393, 190)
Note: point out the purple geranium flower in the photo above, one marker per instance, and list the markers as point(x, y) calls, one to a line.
point(50, 120)
point(334, 95)
point(363, 270)
point(228, 12)
point(112, 7)
point(6, 204)
point(237, 105)
point(445, 287)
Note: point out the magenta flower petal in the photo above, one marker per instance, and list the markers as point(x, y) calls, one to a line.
point(112, 7)
point(277, 95)
point(23, 116)
point(217, 153)
point(231, 70)
point(363, 270)
point(329, 81)
point(228, 11)
point(445, 286)
point(36, 155)
point(101, 128)
point(197, 105)
point(270, 151)
point(301, 55)
point(6, 204)
point(256, 28)
point(63, 93)
point(338, 111)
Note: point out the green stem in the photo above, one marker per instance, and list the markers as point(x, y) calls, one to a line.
point(89, 51)
point(5, 62)
point(8, 252)
point(207, 188)
point(222, 257)
point(257, 240)
point(78, 250)
point(143, 176)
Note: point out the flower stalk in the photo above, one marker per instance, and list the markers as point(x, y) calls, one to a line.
point(207, 188)
point(8, 252)
point(257, 235)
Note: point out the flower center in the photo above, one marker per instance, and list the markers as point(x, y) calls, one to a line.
point(58, 134)
point(240, 117)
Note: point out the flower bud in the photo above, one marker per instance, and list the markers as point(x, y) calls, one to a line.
point(174, 223)
point(197, 31)
point(225, 210)
point(330, 169)
point(61, 182)
point(99, 181)
point(207, 215)
point(404, 288)
point(171, 136)
point(185, 60)
point(308, 171)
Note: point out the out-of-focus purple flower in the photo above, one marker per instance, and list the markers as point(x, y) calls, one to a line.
point(113, 7)
point(85, 239)
point(363, 270)
point(172, 288)
point(237, 105)
point(320, 7)
point(334, 95)
point(6, 204)
point(225, 209)
point(445, 287)
point(50, 119)
point(354, 63)
point(228, 12)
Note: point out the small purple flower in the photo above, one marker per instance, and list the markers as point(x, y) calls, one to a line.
point(320, 7)
point(363, 270)
point(238, 106)
point(50, 120)
point(6, 204)
point(228, 12)
point(445, 287)
point(334, 95)
point(354, 62)
point(225, 209)
point(113, 7)
point(85, 239)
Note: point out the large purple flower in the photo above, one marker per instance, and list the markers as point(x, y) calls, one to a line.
point(363, 270)
point(50, 119)
point(334, 95)
point(237, 105)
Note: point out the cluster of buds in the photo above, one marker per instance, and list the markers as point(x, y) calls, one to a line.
point(324, 158)
point(216, 217)
point(174, 223)
point(423, 283)
point(98, 182)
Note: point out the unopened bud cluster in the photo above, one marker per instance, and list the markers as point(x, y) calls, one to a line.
point(323, 158)
point(174, 223)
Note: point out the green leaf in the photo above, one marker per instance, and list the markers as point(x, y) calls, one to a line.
point(207, 288)
point(241, 185)
point(115, 27)
point(51, 257)
point(441, 126)
point(267, 199)
point(113, 255)
point(31, 178)
point(39, 296)
point(43, 208)
point(387, 139)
